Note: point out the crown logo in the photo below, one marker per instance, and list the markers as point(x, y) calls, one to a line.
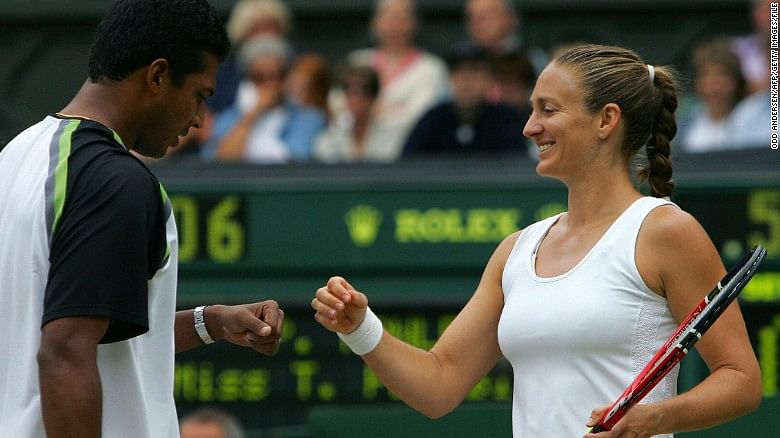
point(363, 223)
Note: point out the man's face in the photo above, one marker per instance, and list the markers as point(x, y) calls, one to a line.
point(489, 22)
point(470, 81)
point(175, 109)
point(394, 22)
point(359, 100)
point(716, 87)
point(268, 73)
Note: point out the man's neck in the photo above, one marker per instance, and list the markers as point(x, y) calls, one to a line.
point(101, 103)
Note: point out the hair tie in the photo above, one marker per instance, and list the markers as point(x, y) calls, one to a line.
point(651, 71)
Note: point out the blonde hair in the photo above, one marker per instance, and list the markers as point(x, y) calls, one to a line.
point(246, 13)
point(616, 75)
point(262, 46)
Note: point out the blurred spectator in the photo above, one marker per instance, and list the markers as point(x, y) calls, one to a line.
point(513, 81)
point(411, 80)
point(752, 116)
point(719, 86)
point(468, 123)
point(248, 19)
point(493, 26)
point(251, 18)
point(355, 135)
point(210, 423)
point(753, 49)
point(751, 121)
point(308, 82)
point(265, 128)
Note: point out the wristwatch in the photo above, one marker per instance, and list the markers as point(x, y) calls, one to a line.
point(200, 325)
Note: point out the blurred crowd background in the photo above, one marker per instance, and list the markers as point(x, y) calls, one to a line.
point(390, 80)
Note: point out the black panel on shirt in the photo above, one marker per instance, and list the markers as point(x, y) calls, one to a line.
point(110, 239)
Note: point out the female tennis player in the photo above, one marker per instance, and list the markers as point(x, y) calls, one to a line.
point(579, 302)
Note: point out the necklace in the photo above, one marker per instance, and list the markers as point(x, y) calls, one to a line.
point(72, 116)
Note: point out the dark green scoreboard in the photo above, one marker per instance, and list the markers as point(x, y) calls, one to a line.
point(415, 238)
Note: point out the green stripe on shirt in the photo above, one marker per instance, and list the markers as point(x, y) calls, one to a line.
point(167, 208)
point(61, 171)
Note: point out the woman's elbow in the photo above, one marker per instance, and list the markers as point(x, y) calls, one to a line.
point(435, 413)
point(438, 408)
point(753, 398)
point(752, 391)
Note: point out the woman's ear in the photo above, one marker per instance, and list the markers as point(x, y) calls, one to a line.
point(609, 118)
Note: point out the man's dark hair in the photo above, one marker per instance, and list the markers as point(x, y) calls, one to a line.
point(466, 54)
point(136, 32)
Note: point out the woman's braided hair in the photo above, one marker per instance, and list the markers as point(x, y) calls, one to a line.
point(647, 97)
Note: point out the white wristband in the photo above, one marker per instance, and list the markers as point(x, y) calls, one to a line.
point(200, 325)
point(366, 337)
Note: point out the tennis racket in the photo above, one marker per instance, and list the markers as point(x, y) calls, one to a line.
point(687, 333)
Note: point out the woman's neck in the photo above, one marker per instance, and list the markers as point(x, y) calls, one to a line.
point(600, 197)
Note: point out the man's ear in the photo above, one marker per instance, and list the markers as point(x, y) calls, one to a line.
point(157, 74)
point(610, 116)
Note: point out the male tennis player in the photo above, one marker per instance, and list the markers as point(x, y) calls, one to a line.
point(88, 253)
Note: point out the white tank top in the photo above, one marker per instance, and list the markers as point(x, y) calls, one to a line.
point(575, 341)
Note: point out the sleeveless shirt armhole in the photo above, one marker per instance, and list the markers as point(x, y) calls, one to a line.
point(645, 288)
point(509, 260)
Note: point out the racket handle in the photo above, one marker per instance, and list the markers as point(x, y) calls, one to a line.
point(598, 428)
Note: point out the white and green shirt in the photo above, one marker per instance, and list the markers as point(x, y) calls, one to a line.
point(86, 230)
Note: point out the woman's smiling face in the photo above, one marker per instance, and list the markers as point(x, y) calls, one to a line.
point(565, 132)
